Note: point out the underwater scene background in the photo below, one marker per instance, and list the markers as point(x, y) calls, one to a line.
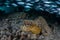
point(29, 19)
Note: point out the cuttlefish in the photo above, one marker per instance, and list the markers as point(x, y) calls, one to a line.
point(31, 26)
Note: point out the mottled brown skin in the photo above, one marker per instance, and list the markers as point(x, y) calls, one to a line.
point(45, 26)
point(35, 28)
